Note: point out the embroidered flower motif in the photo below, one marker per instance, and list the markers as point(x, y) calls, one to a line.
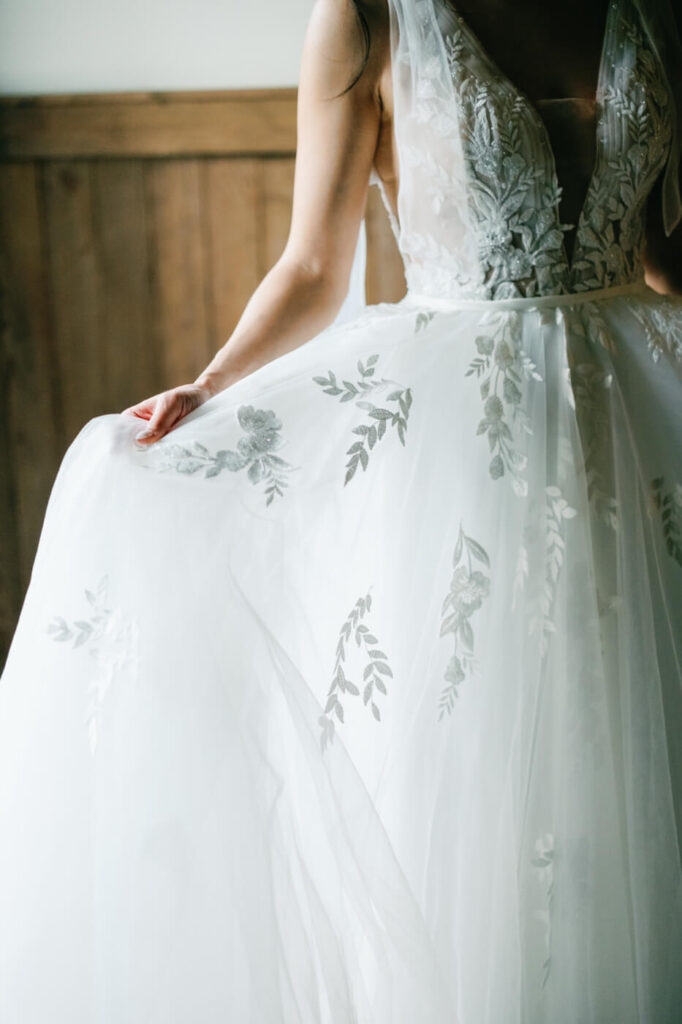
point(255, 452)
point(484, 166)
point(662, 323)
point(633, 138)
point(501, 366)
point(469, 587)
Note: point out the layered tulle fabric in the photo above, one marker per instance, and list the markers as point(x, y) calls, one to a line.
point(357, 697)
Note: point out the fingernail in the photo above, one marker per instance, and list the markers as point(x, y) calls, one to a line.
point(143, 435)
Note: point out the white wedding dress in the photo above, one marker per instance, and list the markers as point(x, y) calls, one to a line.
point(357, 698)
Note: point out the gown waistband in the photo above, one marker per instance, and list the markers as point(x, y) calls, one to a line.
point(532, 302)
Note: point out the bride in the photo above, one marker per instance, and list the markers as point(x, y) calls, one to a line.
point(347, 686)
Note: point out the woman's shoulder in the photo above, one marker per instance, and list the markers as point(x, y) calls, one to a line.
point(349, 40)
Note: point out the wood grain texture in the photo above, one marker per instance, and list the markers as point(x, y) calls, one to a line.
point(148, 124)
point(127, 338)
point(133, 230)
point(233, 237)
point(178, 272)
point(278, 184)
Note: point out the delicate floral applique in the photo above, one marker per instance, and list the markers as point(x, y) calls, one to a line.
point(469, 587)
point(483, 167)
point(379, 417)
point(662, 323)
point(110, 639)
point(255, 452)
point(513, 193)
point(633, 136)
point(374, 675)
point(543, 862)
point(667, 505)
point(501, 367)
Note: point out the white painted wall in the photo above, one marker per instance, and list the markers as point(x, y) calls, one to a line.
point(54, 46)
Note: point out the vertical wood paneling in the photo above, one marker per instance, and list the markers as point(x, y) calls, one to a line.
point(32, 441)
point(73, 252)
point(178, 272)
point(278, 184)
point(126, 337)
point(232, 193)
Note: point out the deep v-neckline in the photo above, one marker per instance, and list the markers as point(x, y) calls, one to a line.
point(477, 46)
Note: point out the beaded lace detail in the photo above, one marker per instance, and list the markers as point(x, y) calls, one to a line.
point(478, 206)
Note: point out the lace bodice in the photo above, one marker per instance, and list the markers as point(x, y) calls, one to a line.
point(478, 204)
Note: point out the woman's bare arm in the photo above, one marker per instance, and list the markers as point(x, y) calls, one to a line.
point(663, 254)
point(336, 142)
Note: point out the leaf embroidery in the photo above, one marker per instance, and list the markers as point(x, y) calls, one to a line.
point(667, 505)
point(468, 589)
point(662, 323)
point(423, 319)
point(111, 641)
point(634, 133)
point(501, 367)
point(255, 452)
point(556, 512)
point(512, 190)
point(374, 676)
point(378, 417)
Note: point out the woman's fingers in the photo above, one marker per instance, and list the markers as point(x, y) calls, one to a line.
point(143, 410)
point(170, 408)
point(164, 415)
point(165, 410)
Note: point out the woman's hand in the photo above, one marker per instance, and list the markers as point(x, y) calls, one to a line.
point(165, 410)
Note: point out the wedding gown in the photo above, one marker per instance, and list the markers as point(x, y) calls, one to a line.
point(357, 697)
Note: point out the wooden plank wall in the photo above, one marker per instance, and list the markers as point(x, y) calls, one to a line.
point(133, 229)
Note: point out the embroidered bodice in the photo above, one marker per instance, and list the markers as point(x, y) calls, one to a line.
point(478, 204)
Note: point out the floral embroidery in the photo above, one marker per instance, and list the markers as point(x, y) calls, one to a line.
point(662, 325)
point(379, 417)
point(255, 453)
point(501, 366)
point(111, 641)
point(633, 136)
point(375, 672)
point(482, 165)
point(468, 589)
point(513, 193)
point(668, 506)
point(543, 861)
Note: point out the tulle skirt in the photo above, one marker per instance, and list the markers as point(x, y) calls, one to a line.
point(357, 698)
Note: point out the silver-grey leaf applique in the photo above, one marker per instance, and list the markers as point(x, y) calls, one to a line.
point(393, 412)
point(375, 672)
point(469, 587)
point(255, 452)
point(501, 366)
